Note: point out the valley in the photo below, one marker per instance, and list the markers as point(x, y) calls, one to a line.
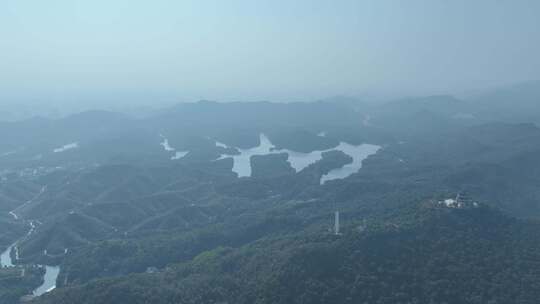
point(209, 194)
point(270, 152)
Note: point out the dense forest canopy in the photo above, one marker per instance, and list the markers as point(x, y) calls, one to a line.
point(438, 202)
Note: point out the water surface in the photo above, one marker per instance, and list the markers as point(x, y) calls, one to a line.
point(167, 147)
point(358, 153)
point(5, 258)
point(49, 281)
point(74, 145)
point(300, 160)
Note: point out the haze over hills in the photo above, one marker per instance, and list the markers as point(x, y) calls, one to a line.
point(231, 202)
point(270, 151)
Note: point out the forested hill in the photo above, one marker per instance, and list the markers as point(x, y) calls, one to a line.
point(234, 203)
point(427, 253)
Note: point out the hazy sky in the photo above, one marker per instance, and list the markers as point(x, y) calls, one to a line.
point(133, 50)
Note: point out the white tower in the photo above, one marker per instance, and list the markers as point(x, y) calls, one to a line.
point(336, 223)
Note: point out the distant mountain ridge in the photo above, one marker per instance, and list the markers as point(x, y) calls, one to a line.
point(149, 209)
